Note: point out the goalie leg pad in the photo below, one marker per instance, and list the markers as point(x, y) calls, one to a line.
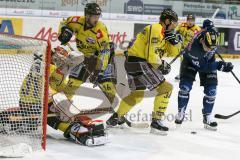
point(90, 133)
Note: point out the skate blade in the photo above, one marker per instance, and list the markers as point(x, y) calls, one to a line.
point(158, 132)
point(210, 128)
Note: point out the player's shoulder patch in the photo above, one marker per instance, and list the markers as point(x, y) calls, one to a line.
point(100, 30)
point(99, 34)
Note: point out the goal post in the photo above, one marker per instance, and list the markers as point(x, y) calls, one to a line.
point(24, 74)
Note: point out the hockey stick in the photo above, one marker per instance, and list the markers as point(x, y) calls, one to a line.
point(176, 57)
point(234, 75)
point(220, 116)
point(130, 124)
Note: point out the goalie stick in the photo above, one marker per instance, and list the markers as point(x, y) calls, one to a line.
point(61, 101)
point(130, 124)
point(220, 116)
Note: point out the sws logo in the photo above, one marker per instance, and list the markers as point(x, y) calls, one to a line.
point(135, 9)
point(11, 26)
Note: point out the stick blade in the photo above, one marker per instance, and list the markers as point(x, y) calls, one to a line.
point(219, 116)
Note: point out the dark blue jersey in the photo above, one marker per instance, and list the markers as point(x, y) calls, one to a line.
point(201, 60)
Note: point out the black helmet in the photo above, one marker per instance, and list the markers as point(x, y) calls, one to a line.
point(169, 14)
point(92, 9)
point(208, 24)
point(211, 38)
point(190, 17)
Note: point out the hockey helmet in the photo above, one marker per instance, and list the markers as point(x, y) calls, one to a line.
point(208, 23)
point(169, 14)
point(190, 17)
point(92, 9)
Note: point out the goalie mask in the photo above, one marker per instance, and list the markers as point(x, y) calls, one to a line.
point(64, 57)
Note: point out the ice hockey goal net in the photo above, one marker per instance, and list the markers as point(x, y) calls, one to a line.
point(24, 64)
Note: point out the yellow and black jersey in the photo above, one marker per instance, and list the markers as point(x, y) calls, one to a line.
point(151, 45)
point(90, 41)
point(187, 32)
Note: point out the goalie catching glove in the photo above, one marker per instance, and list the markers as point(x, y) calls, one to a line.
point(89, 133)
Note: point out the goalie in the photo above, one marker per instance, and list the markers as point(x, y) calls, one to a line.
point(80, 129)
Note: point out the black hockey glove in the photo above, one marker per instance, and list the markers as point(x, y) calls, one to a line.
point(65, 35)
point(165, 68)
point(179, 38)
point(225, 66)
point(171, 37)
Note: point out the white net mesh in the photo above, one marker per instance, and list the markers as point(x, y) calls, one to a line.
point(22, 90)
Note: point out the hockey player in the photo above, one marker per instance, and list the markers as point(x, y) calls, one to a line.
point(93, 41)
point(187, 30)
point(146, 69)
point(199, 57)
